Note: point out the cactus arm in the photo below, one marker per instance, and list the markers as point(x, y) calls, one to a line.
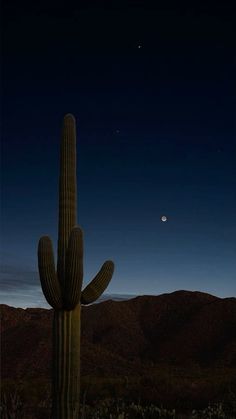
point(67, 191)
point(73, 269)
point(48, 278)
point(100, 282)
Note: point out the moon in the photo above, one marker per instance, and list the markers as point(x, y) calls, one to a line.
point(164, 218)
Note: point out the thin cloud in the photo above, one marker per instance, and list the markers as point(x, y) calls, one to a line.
point(17, 278)
point(21, 288)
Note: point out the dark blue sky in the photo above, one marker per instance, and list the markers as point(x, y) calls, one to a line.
point(156, 135)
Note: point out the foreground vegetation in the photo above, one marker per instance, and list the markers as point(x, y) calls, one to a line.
point(170, 393)
point(118, 409)
point(13, 408)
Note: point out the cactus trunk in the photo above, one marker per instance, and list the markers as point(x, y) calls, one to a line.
point(66, 324)
point(67, 192)
point(62, 289)
point(66, 364)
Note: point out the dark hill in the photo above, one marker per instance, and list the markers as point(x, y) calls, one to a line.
point(180, 329)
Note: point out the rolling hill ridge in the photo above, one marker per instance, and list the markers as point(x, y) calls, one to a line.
point(120, 338)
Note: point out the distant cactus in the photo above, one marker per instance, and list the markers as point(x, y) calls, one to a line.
point(62, 289)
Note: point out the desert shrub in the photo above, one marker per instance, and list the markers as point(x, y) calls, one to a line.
point(25, 399)
point(215, 411)
point(12, 406)
point(118, 409)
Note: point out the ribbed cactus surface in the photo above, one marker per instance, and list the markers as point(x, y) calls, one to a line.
point(62, 287)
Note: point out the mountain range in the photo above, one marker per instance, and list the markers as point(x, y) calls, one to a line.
point(185, 333)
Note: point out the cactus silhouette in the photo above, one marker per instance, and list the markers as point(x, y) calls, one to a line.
point(62, 287)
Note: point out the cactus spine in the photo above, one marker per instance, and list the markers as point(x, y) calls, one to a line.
point(62, 288)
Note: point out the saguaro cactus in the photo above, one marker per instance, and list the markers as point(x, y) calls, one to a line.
point(62, 288)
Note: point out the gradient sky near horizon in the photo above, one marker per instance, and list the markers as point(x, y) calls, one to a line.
point(153, 92)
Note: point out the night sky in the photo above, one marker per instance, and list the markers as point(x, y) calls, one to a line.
point(153, 93)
